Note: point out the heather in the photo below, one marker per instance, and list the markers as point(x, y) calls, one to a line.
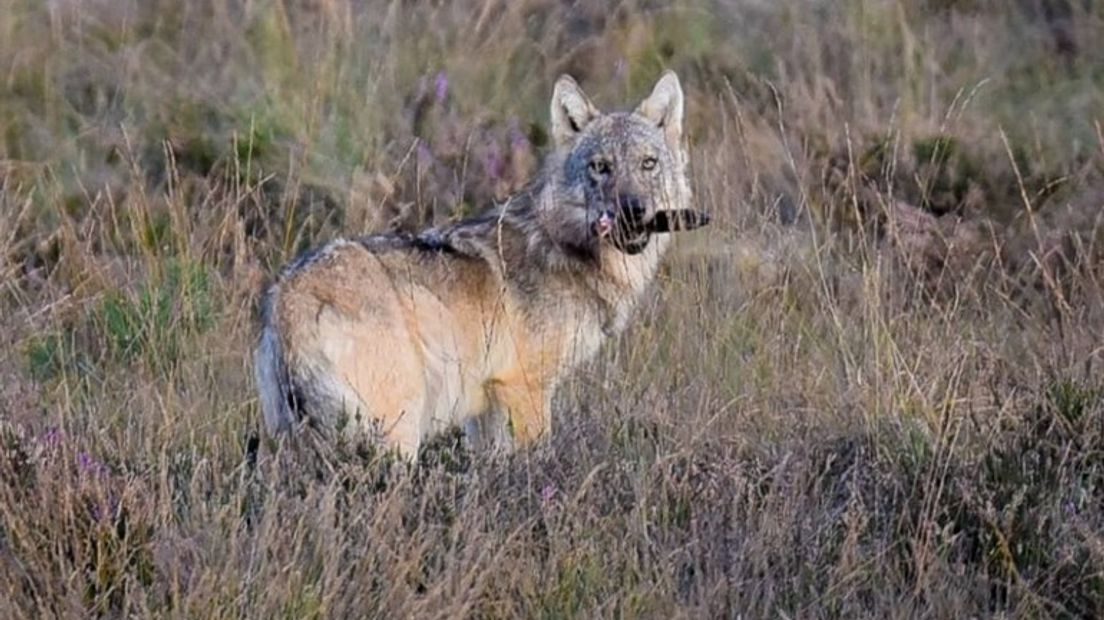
point(871, 388)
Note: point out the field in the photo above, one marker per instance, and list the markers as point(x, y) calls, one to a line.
point(873, 388)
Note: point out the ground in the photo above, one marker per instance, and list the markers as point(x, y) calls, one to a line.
point(872, 387)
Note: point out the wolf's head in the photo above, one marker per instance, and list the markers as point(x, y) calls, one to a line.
point(612, 173)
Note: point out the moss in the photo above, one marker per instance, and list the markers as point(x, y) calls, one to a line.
point(47, 355)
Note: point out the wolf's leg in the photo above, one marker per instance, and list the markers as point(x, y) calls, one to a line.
point(527, 404)
point(391, 386)
point(391, 420)
point(402, 423)
point(489, 431)
point(395, 429)
point(405, 435)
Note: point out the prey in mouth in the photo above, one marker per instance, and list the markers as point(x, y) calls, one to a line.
point(629, 232)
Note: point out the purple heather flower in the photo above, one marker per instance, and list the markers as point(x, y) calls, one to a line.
point(548, 493)
point(493, 162)
point(105, 510)
point(440, 86)
point(518, 140)
point(425, 156)
point(51, 437)
point(88, 464)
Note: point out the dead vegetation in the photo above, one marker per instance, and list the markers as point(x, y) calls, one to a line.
point(873, 388)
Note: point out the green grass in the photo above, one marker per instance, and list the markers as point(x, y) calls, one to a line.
point(871, 389)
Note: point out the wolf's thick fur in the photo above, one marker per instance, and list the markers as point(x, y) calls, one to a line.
point(404, 335)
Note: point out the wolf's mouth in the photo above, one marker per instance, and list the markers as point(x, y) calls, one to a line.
point(624, 231)
point(606, 224)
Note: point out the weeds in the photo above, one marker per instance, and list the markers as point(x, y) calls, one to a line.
point(872, 389)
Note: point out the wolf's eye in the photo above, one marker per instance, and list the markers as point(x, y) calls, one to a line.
point(649, 163)
point(600, 167)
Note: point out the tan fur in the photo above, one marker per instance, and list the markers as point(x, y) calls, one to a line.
point(406, 336)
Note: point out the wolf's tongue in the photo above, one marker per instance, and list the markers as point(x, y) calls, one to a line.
point(604, 225)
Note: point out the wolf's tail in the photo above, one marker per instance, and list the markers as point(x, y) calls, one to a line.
point(270, 371)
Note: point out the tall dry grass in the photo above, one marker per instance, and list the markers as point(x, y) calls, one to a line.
point(872, 389)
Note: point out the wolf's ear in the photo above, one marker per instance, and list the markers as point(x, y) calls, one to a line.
point(664, 108)
point(571, 111)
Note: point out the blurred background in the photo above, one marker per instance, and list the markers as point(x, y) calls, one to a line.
point(871, 388)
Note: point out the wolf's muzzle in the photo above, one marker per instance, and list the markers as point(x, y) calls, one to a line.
point(630, 235)
point(631, 210)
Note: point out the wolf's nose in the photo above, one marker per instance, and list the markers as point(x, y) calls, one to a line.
point(631, 208)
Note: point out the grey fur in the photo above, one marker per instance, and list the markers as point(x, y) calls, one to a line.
point(477, 322)
point(270, 371)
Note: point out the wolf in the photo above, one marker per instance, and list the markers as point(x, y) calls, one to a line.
point(477, 322)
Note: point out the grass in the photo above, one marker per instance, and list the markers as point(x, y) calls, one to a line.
point(872, 388)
